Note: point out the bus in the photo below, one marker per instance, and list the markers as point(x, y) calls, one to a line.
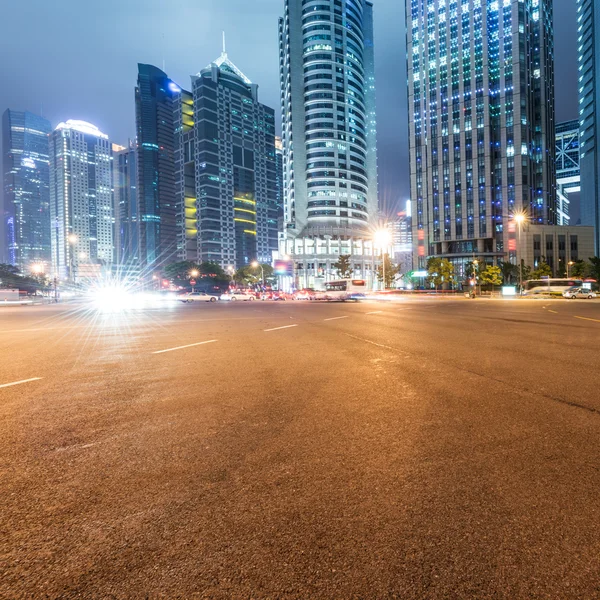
point(345, 289)
point(549, 286)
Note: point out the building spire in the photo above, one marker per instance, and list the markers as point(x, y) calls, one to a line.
point(224, 47)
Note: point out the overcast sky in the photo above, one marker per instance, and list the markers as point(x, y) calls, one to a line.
point(76, 59)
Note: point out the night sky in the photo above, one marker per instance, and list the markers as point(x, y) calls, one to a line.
point(71, 59)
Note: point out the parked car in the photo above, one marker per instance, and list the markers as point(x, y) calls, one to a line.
point(198, 297)
point(282, 296)
point(578, 292)
point(238, 295)
point(305, 294)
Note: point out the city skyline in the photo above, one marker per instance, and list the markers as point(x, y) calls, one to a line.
point(151, 41)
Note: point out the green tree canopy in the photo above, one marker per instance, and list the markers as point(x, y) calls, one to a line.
point(491, 275)
point(594, 268)
point(249, 275)
point(391, 271)
point(11, 277)
point(580, 269)
point(439, 272)
point(180, 273)
point(543, 270)
point(510, 272)
point(343, 266)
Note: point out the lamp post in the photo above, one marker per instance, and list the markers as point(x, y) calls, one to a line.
point(476, 273)
point(37, 269)
point(193, 274)
point(519, 219)
point(255, 264)
point(569, 264)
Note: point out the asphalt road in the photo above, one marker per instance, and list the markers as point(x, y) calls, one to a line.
point(426, 449)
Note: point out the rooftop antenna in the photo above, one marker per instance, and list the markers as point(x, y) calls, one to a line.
point(224, 48)
point(163, 52)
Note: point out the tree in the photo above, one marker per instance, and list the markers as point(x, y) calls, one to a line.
point(250, 275)
point(471, 269)
point(440, 271)
point(209, 274)
point(543, 270)
point(509, 271)
point(525, 271)
point(492, 276)
point(391, 270)
point(179, 272)
point(579, 269)
point(594, 268)
point(343, 266)
point(11, 277)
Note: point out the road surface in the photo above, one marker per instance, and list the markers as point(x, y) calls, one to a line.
point(424, 449)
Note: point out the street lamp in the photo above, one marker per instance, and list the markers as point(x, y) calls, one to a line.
point(381, 240)
point(193, 274)
point(476, 274)
point(569, 264)
point(231, 271)
point(256, 264)
point(520, 218)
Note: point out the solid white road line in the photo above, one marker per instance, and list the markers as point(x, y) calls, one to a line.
point(278, 328)
point(182, 347)
point(20, 382)
point(335, 318)
point(375, 312)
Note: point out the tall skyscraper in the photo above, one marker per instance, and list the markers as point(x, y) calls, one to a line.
point(329, 137)
point(81, 200)
point(567, 168)
point(481, 124)
point(25, 202)
point(588, 43)
point(279, 181)
point(126, 206)
point(226, 169)
point(154, 105)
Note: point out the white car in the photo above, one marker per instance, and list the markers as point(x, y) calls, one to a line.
point(579, 293)
point(238, 296)
point(198, 297)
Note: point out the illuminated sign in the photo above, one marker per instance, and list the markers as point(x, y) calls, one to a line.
point(284, 267)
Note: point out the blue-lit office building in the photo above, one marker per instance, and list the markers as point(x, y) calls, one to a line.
point(588, 43)
point(81, 201)
point(567, 168)
point(226, 177)
point(126, 207)
point(25, 197)
point(481, 125)
point(157, 213)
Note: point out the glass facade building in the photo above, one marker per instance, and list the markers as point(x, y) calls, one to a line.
point(481, 125)
point(25, 201)
point(225, 169)
point(567, 168)
point(588, 44)
point(154, 112)
point(329, 135)
point(81, 201)
point(126, 206)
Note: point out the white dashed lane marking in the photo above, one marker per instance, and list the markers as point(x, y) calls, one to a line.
point(278, 328)
point(186, 346)
point(4, 385)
